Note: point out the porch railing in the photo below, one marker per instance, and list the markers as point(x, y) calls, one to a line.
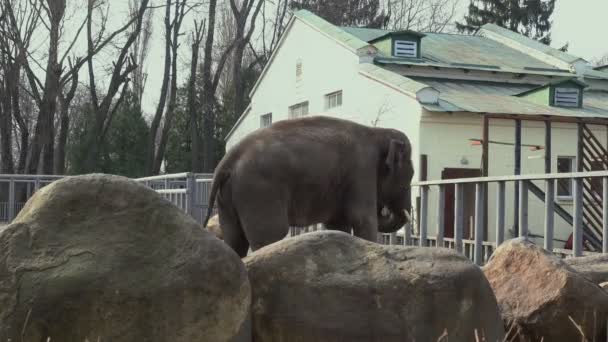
point(479, 243)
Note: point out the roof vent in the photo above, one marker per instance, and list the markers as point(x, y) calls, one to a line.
point(566, 97)
point(405, 48)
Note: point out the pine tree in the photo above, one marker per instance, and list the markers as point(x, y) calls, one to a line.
point(528, 17)
point(364, 13)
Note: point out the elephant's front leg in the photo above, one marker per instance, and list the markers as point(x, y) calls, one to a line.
point(366, 227)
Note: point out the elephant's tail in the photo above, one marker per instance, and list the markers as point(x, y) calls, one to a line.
point(219, 180)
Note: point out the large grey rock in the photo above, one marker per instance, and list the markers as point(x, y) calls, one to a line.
point(594, 268)
point(103, 258)
point(543, 297)
point(331, 286)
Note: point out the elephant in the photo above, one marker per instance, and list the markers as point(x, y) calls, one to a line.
point(309, 170)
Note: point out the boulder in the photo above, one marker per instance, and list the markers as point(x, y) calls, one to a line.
point(594, 268)
point(104, 258)
point(542, 296)
point(331, 286)
point(214, 226)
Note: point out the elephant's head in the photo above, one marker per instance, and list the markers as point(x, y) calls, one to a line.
point(395, 176)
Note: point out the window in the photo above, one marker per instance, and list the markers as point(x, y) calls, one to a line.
point(565, 186)
point(299, 69)
point(298, 110)
point(566, 97)
point(405, 48)
point(333, 100)
point(265, 120)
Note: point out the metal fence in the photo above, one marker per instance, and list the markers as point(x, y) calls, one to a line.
point(190, 192)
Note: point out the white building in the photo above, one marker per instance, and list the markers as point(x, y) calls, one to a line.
point(437, 89)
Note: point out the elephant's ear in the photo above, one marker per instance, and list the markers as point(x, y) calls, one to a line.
point(396, 153)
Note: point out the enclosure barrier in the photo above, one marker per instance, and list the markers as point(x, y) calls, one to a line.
point(190, 192)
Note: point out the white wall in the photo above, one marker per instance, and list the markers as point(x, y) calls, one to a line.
point(445, 137)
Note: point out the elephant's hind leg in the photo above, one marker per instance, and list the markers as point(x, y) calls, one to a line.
point(232, 230)
point(264, 222)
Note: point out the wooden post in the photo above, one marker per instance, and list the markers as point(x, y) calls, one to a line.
point(441, 216)
point(577, 218)
point(549, 191)
point(605, 214)
point(478, 258)
point(458, 216)
point(517, 171)
point(523, 209)
point(549, 214)
point(424, 205)
point(485, 170)
point(500, 214)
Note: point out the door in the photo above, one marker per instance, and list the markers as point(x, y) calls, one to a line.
point(469, 200)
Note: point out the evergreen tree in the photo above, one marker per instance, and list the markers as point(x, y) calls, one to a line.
point(528, 17)
point(365, 13)
point(123, 151)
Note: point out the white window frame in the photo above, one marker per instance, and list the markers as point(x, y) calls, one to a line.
point(333, 100)
point(297, 110)
point(405, 44)
point(572, 169)
point(556, 92)
point(263, 120)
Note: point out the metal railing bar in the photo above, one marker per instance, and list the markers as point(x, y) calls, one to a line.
point(530, 177)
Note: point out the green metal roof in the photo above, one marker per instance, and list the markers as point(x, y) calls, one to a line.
point(365, 34)
point(531, 43)
point(404, 84)
point(334, 32)
point(497, 98)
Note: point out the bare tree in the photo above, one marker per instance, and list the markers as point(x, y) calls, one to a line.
point(210, 81)
point(140, 53)
point(242, 16)
point(105, 107)
point(195, 139)
point(421, 15)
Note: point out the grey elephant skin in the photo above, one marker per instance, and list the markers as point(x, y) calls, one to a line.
point(312, 170)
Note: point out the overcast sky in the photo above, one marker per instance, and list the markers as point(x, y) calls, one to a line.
point(583, 26)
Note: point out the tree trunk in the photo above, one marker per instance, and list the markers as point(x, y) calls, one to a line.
point(6, 138)
point(150, 159)
point(195, 158)
point(209, 120)
point(64, 126)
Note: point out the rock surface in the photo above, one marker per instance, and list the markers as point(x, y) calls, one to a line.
point(103, 258)
point(331, 286)
point(539, 293)
point(594, 268)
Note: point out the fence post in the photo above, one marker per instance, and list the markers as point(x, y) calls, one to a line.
point(11, 200)
point(605, 218)
point(424, 206)
point(523, 208)
point(191, 194)
point(458, 216)
point(577, 218)
point(478, 256)
point(441, 216)
point(500, 214)
point(549, 214)
point(407, 234)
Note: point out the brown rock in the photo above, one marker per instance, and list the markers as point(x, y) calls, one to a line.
point(594, 268)
point(104, 258)
point(539, 293)
point(331, 286)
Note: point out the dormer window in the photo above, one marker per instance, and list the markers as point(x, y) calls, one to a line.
point(401, 44)
point(566, 97)
point(405, 48)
